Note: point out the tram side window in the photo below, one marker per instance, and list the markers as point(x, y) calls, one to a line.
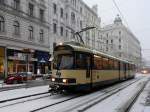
point(116, 65)
point(81, 61)
point(111, 64)
point(105, 63)
point(121, 66)
point(97, 63)
point(129, 67)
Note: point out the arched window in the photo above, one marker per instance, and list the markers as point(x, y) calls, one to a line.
point(17, 4)
point(2, 24)
point(73, 17)
point(41, 35)
point(31, 36)
point(16, 28)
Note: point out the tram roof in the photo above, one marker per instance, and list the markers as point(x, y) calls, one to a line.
point(80, 47)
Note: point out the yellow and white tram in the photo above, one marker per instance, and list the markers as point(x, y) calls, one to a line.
point(76, 67)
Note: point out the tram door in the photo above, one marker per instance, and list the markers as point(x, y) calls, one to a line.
point(125, 70)
point(88, 69)
point(119, 69)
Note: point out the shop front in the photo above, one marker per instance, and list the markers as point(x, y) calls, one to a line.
point(36, 62)
point(43, 64)
point(2, 62)
point(18, 62)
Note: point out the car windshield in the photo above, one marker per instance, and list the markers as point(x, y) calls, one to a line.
point(22, 74)
point(64, 61)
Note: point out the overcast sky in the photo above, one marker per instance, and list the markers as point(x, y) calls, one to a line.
point(135, 12)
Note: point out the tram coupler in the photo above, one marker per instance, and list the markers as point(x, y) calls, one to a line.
point(55, 89)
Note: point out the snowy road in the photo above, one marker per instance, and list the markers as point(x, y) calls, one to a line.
point(110, 99)
point(85, 101)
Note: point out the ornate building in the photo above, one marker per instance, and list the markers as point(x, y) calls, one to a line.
point(23, 25)
point(69, 16)
point(120, 41)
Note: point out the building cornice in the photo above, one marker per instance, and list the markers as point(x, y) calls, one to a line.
point(25, 42)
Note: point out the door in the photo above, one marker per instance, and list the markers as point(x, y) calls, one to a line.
point(119, 68)
point(88, 69)
point(125, 71)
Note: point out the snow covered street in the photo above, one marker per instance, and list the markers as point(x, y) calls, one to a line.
point(115, 98)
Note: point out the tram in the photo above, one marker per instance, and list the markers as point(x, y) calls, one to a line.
point(77, 67)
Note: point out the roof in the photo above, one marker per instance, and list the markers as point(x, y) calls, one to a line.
point(80, 47)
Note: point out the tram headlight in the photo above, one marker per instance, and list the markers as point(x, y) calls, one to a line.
point(53, 79)
point(64, 80)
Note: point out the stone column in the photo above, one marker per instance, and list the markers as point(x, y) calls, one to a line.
point(5, 63)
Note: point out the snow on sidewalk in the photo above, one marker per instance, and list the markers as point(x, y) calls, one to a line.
point(22, 92)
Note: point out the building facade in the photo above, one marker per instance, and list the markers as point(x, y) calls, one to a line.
point(70, 16)
point(24, 36)
point(119, 41)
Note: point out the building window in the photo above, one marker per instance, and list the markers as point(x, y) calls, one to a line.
point(120, 47)
point(54, 28)
point(17, 4)
point(81, 24)
point(2, 24)
point(61, 12)
point(2, 2)
point(81, 10)
point(55, 8)
point(111, 41)
point(16, 28)
point(66, 16)
point(41, 35)
point(66, 33)
point(61, 31)
point(31, 9)
point(107, 35)
point(106, 41)
point(119, 32)
point(119, 39)
point(73, 17)
point(41, 14)
point(106, 48)
point(31, 33)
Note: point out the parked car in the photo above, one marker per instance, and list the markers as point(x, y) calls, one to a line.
point(19, 78)
point(47, 76)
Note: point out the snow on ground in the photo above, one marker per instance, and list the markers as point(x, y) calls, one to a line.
point(3, 85)
point(143, 102)
point(115, 102)
point(109, 105)
point(31, 105)
point(75, 103)
point(22, 92)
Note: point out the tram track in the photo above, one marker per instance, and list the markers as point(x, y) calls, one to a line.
point(103, 97)
point(13, 99)
point(83, 106)
point(18, 100)
point(134, 99)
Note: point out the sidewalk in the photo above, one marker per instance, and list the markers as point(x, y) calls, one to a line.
point(29, 84)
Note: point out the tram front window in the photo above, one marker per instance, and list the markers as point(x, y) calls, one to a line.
point(63, 61)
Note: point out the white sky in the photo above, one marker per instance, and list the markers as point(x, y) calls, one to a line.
point(136, 13)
